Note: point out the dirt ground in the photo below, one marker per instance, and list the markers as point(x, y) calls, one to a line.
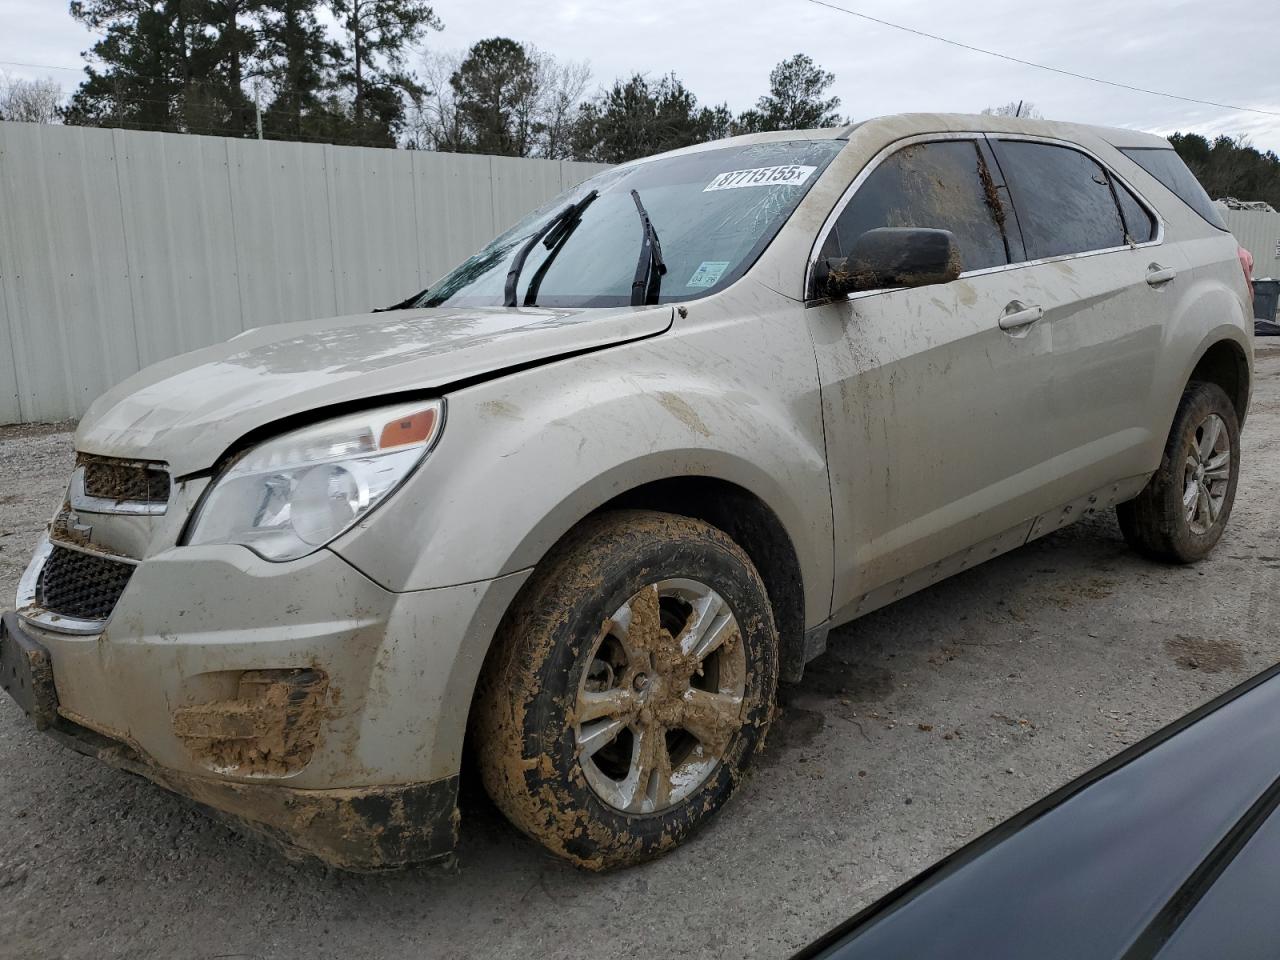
point(925, 724)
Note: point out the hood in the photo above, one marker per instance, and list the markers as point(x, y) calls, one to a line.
point(187, 410)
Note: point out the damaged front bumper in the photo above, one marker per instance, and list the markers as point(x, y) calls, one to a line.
point(301, 698)
point(362, 829)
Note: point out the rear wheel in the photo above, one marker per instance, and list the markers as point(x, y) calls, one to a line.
point(1181, 513)
point(631, 686)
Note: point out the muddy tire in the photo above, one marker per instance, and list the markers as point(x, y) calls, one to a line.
point(1180, 515)
point(629, 688)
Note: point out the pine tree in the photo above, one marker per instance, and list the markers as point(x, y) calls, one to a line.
point(233, 52)
point(376, 36)
point(795, 99)
point(496, 87)
point(143, 61)
point(298, 62)
point(175, 65)
point(637, 118)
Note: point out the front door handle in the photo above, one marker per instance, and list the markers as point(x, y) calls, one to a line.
point(1018, 315)
point(1157, 275)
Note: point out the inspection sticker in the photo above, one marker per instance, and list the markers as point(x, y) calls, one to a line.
point(708, 273)
point(789, 175)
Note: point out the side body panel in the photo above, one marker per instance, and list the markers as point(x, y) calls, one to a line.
point(933, 418)
point(951, 440)
point(731, 392)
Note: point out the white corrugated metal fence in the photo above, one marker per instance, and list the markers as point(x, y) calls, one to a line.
point(1258, 231)
point(120, 248)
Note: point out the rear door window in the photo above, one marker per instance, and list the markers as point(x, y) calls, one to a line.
point(1166, 166)
point(1062, 197)
point(936, 185)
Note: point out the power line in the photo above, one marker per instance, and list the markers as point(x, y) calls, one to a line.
point(1039, 66)
point(39, 66)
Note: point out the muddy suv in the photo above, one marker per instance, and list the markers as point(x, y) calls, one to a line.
point(574, 512)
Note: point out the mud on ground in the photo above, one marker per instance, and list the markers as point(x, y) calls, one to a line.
point(924, 724)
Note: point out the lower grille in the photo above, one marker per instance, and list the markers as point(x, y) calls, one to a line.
point(124, 480)
point(81, 585)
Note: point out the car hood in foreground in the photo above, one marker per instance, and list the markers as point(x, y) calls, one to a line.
point(1170, 850)
point(188, 410)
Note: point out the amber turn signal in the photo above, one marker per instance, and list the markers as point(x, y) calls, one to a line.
point(408, 430)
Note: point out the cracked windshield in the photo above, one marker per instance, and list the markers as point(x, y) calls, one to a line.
point(713, 212)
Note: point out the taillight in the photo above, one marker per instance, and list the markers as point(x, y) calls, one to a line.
point(1246, 264)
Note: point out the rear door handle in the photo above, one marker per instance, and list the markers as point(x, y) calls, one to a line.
point(1018, 315)
point(1157, 275)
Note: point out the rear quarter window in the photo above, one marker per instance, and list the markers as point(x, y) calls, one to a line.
point(1138, 221)
point(1166, 166)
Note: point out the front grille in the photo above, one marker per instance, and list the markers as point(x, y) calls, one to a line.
point(81, 585)
point(120, 480)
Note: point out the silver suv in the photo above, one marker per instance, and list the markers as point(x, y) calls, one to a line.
point(575, 511)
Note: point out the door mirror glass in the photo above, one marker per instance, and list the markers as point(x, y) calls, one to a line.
point(894, 257)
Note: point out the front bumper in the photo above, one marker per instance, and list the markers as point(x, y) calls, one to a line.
point(364, 830)
point(375, 785)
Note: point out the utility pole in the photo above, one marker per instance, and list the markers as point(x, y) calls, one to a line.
point(1018, 112)
point(257, 105)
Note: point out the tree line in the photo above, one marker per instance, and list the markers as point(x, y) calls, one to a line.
point(314, 69)
point(1230, 167)
point(347, 71)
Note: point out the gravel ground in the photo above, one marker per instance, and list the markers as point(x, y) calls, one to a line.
point(925, 724)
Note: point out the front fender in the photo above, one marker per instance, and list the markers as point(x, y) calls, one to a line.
point(526, 457)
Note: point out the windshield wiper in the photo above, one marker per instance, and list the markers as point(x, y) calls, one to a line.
point(554, 241)
point(403, 304)
point(648, 282)
point(552, 231)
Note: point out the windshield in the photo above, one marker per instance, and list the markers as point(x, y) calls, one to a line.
point(714, 212)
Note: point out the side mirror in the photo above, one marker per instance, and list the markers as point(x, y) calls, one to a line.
point(894, 257)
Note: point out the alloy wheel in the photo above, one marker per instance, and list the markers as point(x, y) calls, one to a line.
point(662, 696)
point(1206, 474)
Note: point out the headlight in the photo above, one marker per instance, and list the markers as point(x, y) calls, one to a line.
point(290, 496)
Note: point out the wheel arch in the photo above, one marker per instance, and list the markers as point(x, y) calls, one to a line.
point(753, 525)
point(741, 513)
point(1225, 361)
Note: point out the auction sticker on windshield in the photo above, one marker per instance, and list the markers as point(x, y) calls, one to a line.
point(790, 175)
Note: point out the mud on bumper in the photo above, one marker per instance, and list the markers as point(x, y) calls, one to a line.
point(360, 829)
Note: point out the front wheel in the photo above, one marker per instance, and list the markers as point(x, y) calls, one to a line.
point(629, 688)
point(1181, 513)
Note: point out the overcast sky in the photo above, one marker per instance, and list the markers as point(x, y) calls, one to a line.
point(724, 49)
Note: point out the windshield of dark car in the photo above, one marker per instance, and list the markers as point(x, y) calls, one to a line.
point(714, 211)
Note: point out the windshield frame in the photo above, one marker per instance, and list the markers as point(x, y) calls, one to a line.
point(607, 179)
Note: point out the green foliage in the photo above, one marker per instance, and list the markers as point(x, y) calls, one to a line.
point(164, 67)
point(636, 118)
point(795, 99)
point(297, 60)
point(1229, 167)
point(185, 65)
point(496, 87)
point(336, 70)
point(188, 66)
point(377, 35)
point(500, 97)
